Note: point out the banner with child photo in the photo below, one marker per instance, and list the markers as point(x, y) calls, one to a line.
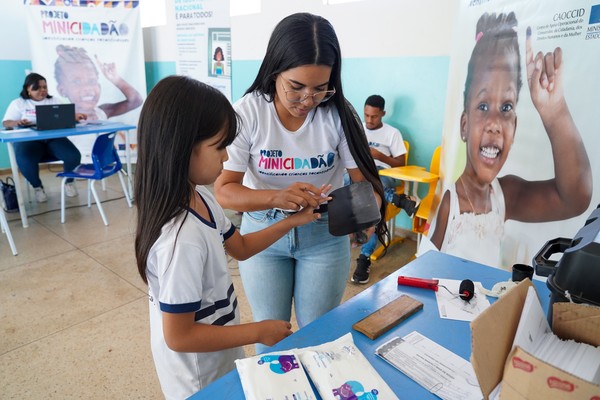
point(518, 165)
point(91, 53)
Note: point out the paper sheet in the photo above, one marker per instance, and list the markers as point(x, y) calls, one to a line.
point(274, 376)
point(432, 366)
point(340, 371)
point(453, 307)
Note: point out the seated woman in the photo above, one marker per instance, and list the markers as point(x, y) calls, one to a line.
point(21, 112)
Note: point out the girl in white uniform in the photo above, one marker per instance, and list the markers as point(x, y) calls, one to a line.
point(471, 216)
point(183, 236)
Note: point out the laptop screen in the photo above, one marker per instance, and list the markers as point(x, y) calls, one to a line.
point(55, 116)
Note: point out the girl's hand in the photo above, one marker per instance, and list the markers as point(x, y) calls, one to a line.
point(544, 77)
point(300, 195)
point(272, 331)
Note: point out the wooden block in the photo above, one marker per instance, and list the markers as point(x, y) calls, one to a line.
point(388, 316)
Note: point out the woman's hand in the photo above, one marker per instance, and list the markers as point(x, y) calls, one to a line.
point(272, 331)
point(300, 195)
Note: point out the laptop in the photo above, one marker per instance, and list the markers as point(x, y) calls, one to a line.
point(55, 116)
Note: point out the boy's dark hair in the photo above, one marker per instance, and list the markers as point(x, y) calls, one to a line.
point(307, 39)
point(376, 101)
point(32, 80)
point(179, 113)
point(495, 35)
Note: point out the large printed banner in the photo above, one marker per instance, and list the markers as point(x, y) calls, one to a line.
point(203, 40)
point(482, 140)
point(91, 53)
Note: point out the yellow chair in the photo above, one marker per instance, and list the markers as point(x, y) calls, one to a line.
point(420, 224)
point(391, 212)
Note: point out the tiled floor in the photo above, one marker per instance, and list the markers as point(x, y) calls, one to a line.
point(73, 310)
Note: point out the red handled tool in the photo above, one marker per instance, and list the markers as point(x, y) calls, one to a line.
point(467, 289)
point(419, 282)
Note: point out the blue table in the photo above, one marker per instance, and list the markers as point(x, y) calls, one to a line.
point(27, 135)
point(454, 335)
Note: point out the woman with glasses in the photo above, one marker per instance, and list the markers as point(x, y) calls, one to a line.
point(298, 134)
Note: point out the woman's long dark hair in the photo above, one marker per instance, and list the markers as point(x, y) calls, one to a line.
point(32, 80)
point(307, 39)
point(179, 113)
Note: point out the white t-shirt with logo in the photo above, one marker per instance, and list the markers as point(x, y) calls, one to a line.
point(272, 157)
point(388, 140)
point(21, 108)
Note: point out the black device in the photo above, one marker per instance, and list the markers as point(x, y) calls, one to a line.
point(576, 276)
point(54, 116)
point(466, 290)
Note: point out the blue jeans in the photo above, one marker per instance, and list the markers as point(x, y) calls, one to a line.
point(30, 154)
point(389, 188)
point(308, 265)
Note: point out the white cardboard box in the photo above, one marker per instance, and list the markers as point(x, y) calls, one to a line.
point(524, 376)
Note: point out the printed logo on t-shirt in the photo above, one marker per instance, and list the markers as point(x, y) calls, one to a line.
point(276, 162)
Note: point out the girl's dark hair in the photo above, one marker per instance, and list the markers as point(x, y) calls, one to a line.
point(494, 35)
point(179, 113)
point(217, 51)
point(307, 39)
point(32, 80)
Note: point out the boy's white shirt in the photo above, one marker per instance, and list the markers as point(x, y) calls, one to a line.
point(386, 139)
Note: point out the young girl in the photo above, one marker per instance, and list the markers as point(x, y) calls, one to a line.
point(298, 133)
point(183, 234)
point(471, 216)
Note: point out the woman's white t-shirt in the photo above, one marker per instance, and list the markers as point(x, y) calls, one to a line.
point(273, 157)
point(21, 108)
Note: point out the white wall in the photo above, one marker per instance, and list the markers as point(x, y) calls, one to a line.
point(368, 28)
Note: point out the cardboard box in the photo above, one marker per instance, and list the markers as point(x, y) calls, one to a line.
point(523, 376)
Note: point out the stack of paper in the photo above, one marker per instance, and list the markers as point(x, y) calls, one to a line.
point(535, 336)
point(432, 366)
point(340, 371)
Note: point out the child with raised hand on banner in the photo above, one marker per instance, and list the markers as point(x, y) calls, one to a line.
point(471, 216)
point(77, 79)
point(183, 237)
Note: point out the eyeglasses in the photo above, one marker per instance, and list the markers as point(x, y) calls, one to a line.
point(297, 96)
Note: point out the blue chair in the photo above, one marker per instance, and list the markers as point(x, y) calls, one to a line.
point(106, 162)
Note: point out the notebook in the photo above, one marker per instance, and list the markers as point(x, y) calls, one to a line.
point(55, 116)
